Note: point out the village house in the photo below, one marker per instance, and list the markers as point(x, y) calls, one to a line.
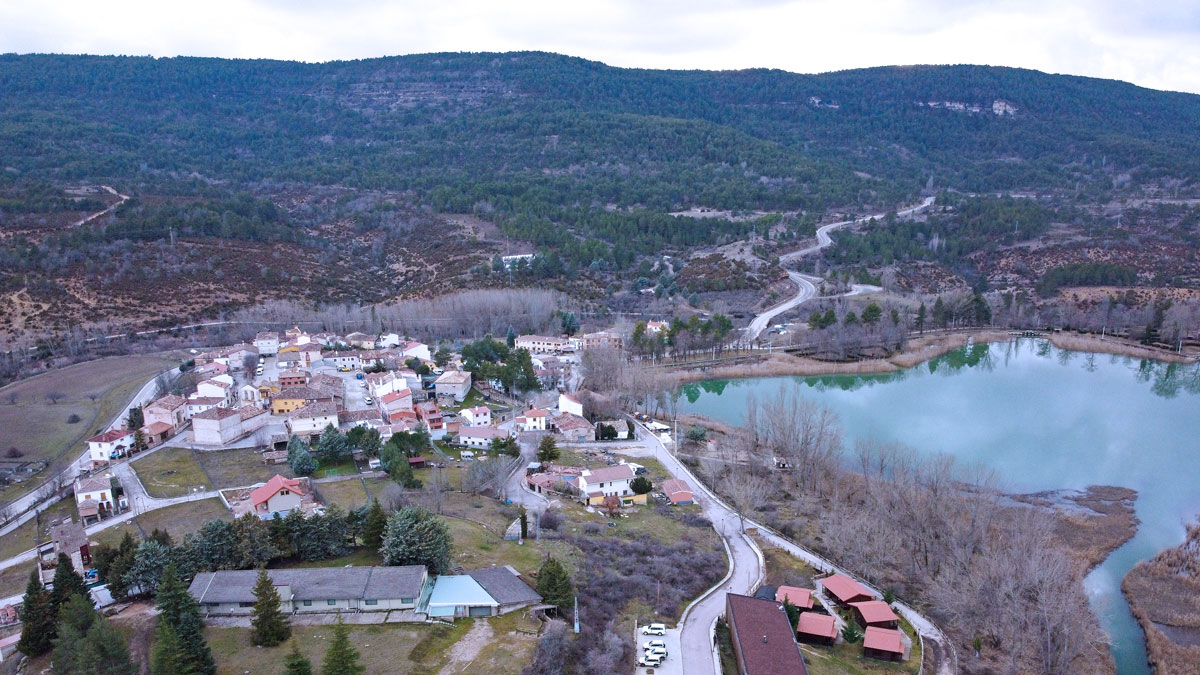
point(332, 385)
point(211, 369)
point(294, 398)
point(314, 589)
point(431, 416)
point(656, 327)
point(619, 426)
point(267, 343)
point(416, 350)
point(763, 643)
point(359, 340)
point(388, 340)
point(307, 354)
point(249, 394)
point(278, 496)
point(574, 428)
point(156, 433)
point(816, 628)
point(874, 613)
point(596, 340)
point(845, 590)
point(309, 421)
point(340, 360)
point(411, 379)
point(480, 438)
point(454, 384)
point(222, 426)
point(678, 491)
point(479, 416)
point(348, 419)
point(393, 406)
point(799, 597)
point(884, 644)
point(534, 419)
point(198, 404)
point(110, 445)
point(69, 538)
point(95, 498)
point(294, 377)
point(609, 481)
point(169, 409)
point(220, 386)
point(382, 384)
point(569, 404)
point(543, 344)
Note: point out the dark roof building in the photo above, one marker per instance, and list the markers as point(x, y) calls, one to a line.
point(763, 642)
point(505, 585)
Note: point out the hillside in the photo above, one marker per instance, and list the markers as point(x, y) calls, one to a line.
point(332, 177)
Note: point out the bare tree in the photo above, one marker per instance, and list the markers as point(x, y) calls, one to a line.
point(488, 474)
point(55, 396)
point(12, 397)
point(747, 489)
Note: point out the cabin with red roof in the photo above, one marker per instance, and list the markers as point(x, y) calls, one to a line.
point(816, 628)
point(279, 495)
point(845, 590)
point(875, 613)
point(799, 597)
point(883, 643)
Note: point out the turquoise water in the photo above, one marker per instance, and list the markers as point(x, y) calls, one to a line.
point(1042, 418)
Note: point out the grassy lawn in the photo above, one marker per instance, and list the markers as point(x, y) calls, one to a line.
point(784, 569)
point(361, 557)
point(343, 468)
point(388, 648)
point(13, 579)
point(96, 391)
point(348, 494)
point(26, 536)
point(844, 659)
point(238, 468)
point(178, 520)
point(171, 472)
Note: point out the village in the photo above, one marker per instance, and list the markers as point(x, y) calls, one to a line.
point(278, 403)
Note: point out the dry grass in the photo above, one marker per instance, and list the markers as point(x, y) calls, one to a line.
point(348, 494)
point(40, 428)
point(1108, 345)
point(28, 535)
point(171, 472)
point(177, 519)
point(14, 579)
point(238, 468)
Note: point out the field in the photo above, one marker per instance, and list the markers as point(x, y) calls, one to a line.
point(171, 472)
point(95, 391)
point(177, 519)
point(25, 537)
point(470, 646)
point(238, 468)
point(348, 494)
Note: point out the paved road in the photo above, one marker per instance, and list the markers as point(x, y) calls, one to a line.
point(805, 284)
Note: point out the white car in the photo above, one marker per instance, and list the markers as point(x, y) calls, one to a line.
point(654, 629)
point(368, 400)
point(649, 661)
point(654, 644)
point(657, 653)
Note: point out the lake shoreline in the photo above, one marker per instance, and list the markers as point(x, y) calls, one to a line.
point(1166, 604)
point(919, 350)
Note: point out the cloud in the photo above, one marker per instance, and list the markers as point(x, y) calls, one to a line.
point(1152, 44)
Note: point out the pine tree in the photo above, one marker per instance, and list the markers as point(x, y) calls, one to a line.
point(168, 656)
point(374, 527)
point(342, 657)
point(67, 582)
point(295, 663)
point(37, 616)
point(414, 536)
point(554, 584)
point(75, 617)
point(270, 625)
point(547, 449)
point(180, 611)
point(105, 651)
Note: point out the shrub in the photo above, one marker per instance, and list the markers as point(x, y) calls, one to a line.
point(13, 453)
point(551, 520)
point(74, 419)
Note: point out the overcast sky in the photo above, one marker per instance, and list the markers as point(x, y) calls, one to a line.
point(1154, 43)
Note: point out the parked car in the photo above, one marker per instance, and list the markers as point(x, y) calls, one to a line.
point(648, 661)
point(343, 369)
point(657, 652)
point(654, 644)
point(654, 629)
point(368, 400)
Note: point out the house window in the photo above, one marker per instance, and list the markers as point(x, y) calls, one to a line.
point(407, 601)
point(331, 602)
point(372, 602)
point(103, 496)
point(308, 603)
point(245, 604)
point(283, 492)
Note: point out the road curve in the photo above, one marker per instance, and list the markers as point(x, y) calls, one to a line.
point(806, 289)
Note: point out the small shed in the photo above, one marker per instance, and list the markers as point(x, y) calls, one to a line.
point(883, 643)
point(799, 597)
point(816, 628)
point(678, 492)
point(417, 462)
point(845, 590)
point(875, 613)
point(459, 595)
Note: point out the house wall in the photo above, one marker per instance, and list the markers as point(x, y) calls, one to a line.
point(176, 418)
point(281, 503)
point(458, 391)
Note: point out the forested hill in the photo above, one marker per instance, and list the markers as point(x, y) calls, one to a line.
point(535, 133)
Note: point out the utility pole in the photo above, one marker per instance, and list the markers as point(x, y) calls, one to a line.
point(577, 615)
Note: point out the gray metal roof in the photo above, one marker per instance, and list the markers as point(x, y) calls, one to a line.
point(505, 585)
point(314, 583)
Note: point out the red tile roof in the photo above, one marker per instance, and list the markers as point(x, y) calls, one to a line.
point(216, 414)
point(677, 490)
point(277, 483)
point(844, 588)
point(815, 623)
point(800, 597)
point(763, 637)
point(883, 639)
point(110, 436)
point(156, 428)
point(875, 611)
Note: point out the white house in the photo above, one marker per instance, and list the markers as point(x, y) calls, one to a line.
point(94, 497)
point(315, 589)
point(480, 437)
point(416, 350)
point(389, 340)
point(109, 445)
point(198, 404)
point(479, 416)
point(222, 426)
point(350, 359)
point(543, 344)
point(453, 383)
point(310, 420)
point(391, 406)
point(170, 409)
point(567, 403)
point(267, 343)
point(382, 384)
point(596, 484)
point(249, 394)
point(534, 419)
point(220, 386)
point(279, 495)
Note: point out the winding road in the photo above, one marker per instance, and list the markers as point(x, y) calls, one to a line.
point(806, 284)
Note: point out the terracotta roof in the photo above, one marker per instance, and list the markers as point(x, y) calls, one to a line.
point(313, 410)
point(110, 436)
point(453, 377)
point(815, 623)
point(568, 422)
point(205, 400)
point(358, 415)
point(764, 637)
point(481, 410)
point(168, 402)
point(89, 507)
point(93, 484)
point(267, 335)
point(844, 588)
point(156, 428)
point(883, 639)
point(216, 414)
point(536, 412)
point(216, 383)
point(250, 412)
point(875, 611)
point(277, 483)
point(396, 396)
point(569, 397)
point(800, 597)
point(674, 485)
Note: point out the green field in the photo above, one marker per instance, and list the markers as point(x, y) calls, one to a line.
point(348, 494)
point(171, 472)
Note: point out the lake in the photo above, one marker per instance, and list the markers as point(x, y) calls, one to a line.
point(1042, 418)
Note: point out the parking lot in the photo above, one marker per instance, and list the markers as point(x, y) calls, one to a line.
point(356, 393)
point(673, 664)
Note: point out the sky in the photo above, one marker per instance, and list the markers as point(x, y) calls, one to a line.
point(1154, 44)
